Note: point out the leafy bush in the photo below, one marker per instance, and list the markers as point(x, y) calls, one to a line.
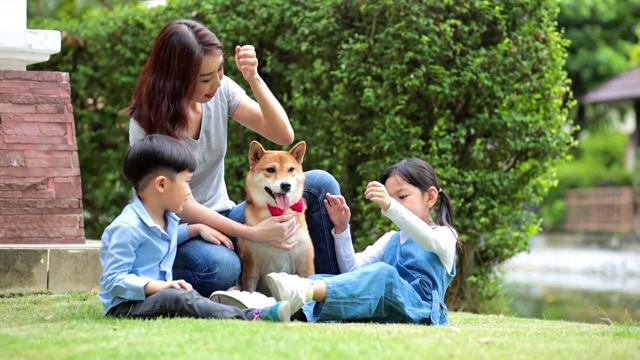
point(477, 89)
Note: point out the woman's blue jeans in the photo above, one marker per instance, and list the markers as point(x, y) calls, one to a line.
point(210, 267)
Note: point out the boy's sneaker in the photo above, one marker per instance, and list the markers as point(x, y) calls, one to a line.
point(292, 288)
point(242, 299)
point(280, 312)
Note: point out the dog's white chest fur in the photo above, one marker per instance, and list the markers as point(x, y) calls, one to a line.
point(269, 259)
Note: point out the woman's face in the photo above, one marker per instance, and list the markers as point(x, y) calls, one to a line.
point(209, 78)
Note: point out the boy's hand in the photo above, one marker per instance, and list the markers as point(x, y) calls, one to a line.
point(377, 193)
point(180, 284)
point(209, 234)
point(154, 286)
point(338, 211)
point(214, 236)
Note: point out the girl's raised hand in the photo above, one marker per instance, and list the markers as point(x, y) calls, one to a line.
point(377, 193)
point(338, 212)
point(247, 61)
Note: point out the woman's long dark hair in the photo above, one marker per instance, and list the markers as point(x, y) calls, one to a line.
point(420, 174)
point(161, 97)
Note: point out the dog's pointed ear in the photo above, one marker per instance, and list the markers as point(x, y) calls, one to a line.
point(298, 151)
point(256, 151)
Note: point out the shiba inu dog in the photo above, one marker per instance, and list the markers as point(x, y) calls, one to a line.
point(274, 186)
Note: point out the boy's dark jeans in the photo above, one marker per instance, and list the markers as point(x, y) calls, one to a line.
point(179, 303)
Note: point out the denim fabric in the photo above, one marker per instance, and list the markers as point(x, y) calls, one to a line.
point(211, 267)
point(408, 286)
point(207, 267)
point(179, 303)
point(317, 184)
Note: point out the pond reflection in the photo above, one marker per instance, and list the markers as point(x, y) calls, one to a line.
point(575, 284)
point(555, 303)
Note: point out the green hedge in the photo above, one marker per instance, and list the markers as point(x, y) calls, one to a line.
point(476, 88)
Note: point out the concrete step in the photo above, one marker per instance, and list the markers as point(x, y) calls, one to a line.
point(52, 267)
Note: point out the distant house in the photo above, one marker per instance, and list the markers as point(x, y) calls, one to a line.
point(623, 89)
point(611, 210)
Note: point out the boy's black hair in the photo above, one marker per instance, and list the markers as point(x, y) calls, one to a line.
point(156, 154)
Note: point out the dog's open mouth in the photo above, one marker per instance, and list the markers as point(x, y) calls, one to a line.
point(282, 199)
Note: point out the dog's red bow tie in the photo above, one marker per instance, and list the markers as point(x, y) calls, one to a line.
point(298, 207)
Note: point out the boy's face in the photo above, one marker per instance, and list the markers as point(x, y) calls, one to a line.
point(177, 191)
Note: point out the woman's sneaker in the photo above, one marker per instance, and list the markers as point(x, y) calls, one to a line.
point(292, 288)
point(280, 312)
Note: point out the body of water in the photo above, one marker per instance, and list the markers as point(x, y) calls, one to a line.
point(575, 284)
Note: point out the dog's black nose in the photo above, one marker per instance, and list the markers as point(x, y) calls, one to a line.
point(285, 186)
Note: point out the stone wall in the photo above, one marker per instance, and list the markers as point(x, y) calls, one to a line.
point(40, 189)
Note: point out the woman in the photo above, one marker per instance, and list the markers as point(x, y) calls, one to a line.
point(182, 92)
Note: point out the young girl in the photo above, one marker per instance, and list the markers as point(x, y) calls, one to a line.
point(182, 92)
point(401, 278)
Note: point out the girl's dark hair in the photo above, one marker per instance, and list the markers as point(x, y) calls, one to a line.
point(155, 154)
point(160, 100)
point(420, 174)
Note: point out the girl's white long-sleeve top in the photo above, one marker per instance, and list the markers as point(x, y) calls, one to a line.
point(441, 240)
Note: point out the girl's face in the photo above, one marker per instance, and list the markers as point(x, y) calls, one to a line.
point(209, 77)
point(411, 197)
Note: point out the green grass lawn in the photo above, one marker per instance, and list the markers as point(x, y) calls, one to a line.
point(72, 326)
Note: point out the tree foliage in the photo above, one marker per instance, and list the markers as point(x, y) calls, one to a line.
point(52, 9)
point(602, 35)
point(478, 89)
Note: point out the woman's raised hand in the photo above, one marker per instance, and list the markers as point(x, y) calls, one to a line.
point(247, 61)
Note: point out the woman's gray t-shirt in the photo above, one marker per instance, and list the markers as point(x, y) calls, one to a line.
point(207, 185)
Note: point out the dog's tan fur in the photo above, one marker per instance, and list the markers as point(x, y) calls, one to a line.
point(270, 170)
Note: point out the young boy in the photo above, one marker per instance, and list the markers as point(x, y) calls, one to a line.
point(139, 246)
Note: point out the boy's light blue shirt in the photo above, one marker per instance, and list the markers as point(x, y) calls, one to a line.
point(134, 251)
